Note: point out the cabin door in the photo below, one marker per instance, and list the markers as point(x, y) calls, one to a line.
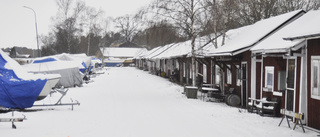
point(290, 90)
point(244, 84)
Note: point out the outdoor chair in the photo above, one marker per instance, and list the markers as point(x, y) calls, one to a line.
point(268, 107)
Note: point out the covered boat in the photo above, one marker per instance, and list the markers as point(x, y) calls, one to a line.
point(69, 70)
point(96, 64)
point(81, 59)
point(19, 89)
point(52, 80)
point(114, 62)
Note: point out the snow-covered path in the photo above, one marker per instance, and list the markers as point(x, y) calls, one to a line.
point(127, 102)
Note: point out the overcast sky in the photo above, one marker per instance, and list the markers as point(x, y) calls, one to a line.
point(17, 25)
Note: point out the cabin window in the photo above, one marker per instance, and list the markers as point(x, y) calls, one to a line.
point(238, 75)
point(217, 74)
point(204, 73)
point(229, 75)
point(269, 77)
point(315, 77)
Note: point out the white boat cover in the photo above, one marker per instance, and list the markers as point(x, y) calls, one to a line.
point(69, 70)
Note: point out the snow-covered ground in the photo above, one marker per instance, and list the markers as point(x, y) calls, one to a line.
point(127, 102)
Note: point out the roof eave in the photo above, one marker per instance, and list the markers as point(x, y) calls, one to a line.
point(310, 36)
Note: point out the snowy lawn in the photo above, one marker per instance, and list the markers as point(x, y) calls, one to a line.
point(127, 102)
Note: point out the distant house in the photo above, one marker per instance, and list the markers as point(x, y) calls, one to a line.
point(21, 55)
point(114, 56)
point(128, 44)
point(120, 53)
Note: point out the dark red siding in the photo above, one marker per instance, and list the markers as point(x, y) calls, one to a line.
point(258, 80)
point(279, 64)
point(313, 104)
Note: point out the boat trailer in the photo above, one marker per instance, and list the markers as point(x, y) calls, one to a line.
point(13, 119)
point(63, 92)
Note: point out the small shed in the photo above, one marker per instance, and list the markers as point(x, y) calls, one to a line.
point(115, 56)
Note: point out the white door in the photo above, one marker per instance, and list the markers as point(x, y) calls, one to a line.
point(291, 86)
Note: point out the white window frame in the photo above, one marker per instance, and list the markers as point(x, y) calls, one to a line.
point(217, 75)
point(238, 75)
point(229, 75)
point(205, 73)
point(315, 91)
point(269, 69)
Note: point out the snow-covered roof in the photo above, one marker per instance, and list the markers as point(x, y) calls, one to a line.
point(253, 34)
point(145, 54)
point(182, 48)
point(230, 35)
point(308, 28)
point(203, 45)
point(275, 42)
point(141, 53)
point(122, 52)
point(158, 51)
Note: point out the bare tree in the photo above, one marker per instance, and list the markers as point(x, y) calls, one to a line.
point(290, 5)
point(94, 28)
point(48, 42)
point(212, 20)
point(67, 21)
point(64, 7)
point(158, 34)
point(127, 25)
point(184, 14)
point(251, 11)
point(106, 24)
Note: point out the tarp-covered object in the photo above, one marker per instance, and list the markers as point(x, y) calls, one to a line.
point(17, 91)
point(44, 60)
point(82, 60)
point(69, 71)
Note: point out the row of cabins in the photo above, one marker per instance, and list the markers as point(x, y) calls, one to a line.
point(277, 57)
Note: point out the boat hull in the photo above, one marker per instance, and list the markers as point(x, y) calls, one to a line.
point(51, 82)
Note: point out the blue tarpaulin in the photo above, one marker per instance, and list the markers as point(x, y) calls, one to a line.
point(17, 93)
point(83, 70)
point(45, 60)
